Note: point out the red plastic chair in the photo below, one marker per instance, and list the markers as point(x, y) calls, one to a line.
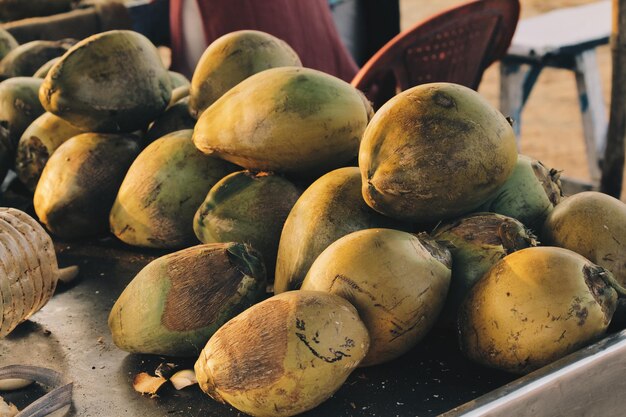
point(456, 45)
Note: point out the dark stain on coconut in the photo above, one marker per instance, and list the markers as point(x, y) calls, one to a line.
point(444, 100)
point(335, 355)
point(600, 290)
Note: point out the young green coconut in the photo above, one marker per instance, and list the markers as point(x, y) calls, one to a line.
point(162, 190)
point(247, 207)
point(19, 107)
point(528, 195)
point(232, 58)
point(27, 58)
point(175, 304)
point(110, 82)
point(435, 152)
point(535, 306)
point(477, 242)
point(285, 355)
point(397, 281)
point(79, 182)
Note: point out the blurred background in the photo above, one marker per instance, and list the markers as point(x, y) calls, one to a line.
point(552, 126)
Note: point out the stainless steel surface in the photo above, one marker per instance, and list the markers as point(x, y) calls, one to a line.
point(589, 382)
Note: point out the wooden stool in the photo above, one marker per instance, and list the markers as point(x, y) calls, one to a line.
point(564, 38)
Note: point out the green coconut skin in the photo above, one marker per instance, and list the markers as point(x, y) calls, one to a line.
point(288, 120)
point(27, 58)
point(528, 195)
point(162, 190)
point(7, 43)
point(477, 242)
point(435, 152)
point(247, 207)
point(328, 209)
point(176, 302)
point(79, 182)
point(109, 82)
point(231, 59)
point(44, 135)
point(19, 106)
point(592, 224)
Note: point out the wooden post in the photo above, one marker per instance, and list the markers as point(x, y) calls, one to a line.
point(613, 166)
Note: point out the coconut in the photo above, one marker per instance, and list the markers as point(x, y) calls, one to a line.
point(177, 302)
point(247, 207)
point(7, 43)
point(29, 268)
point(44, 135)
point(592, 224)
point(397, 281)
point(477, 242)
point(162, 190)
point(535, 306)
point(232, 58)
point(328, 209)
point(284, 355)
point(78, 185)
point(288, 120)
point(19, 106)
point(528, 195)
point(27, 58)
point(435, 152)
point(109, 82)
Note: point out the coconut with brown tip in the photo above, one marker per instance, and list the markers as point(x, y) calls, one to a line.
point(284, 355)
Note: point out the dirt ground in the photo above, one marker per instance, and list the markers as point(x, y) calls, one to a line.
point(551, 120)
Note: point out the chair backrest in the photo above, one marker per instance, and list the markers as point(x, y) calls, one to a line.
point(456, 45)
point(306, 25)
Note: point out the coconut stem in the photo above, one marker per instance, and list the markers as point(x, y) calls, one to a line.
point(612, 282)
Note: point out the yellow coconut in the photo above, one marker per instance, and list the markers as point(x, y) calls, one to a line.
point(592, 224)
point(397, 281)
point(434, 152)
point(288, 119)
point(535, 306)
point(232, 58)
point(284, 355)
